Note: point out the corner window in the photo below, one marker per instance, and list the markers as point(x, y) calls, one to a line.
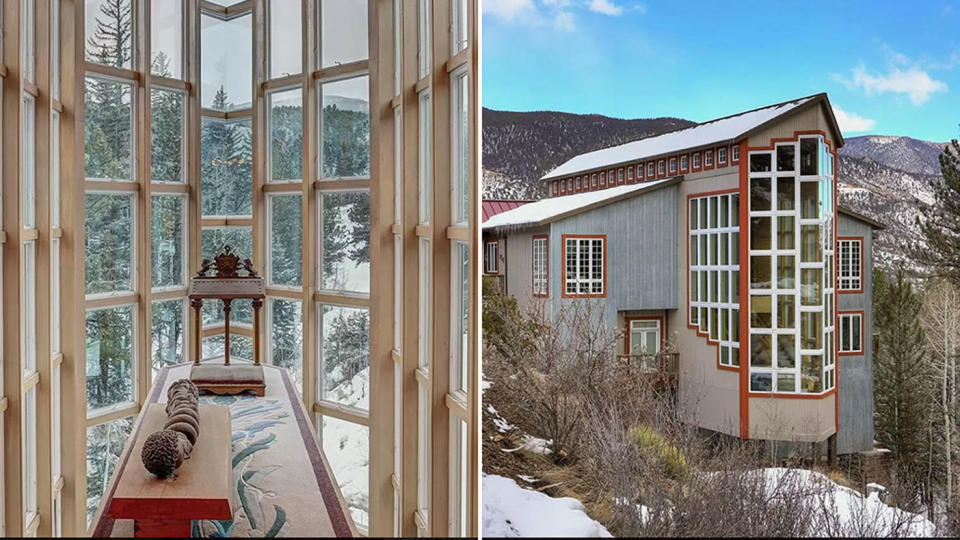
point(584, 272)
point(851, 333)
point(851, 265)
point(540, 265)
point(491, 254)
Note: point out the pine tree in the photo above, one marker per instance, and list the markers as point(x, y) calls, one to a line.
point(901, 377)
point(942, 226)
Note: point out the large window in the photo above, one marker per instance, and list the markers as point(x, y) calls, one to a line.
point(714, 279)
point(540, 265)
point(850, 264)
point(792, 306)
point(584, 265)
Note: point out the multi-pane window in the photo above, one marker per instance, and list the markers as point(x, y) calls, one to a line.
point(168, 240)
point(285, 255)
point(540, 265)
point(714, 279)
point(584, 265)
point(850, 255)
point(167, 120)
point(460, 143)
point(673, 165)
point(735, 153)
point(661, 167)
point(722, 156)
point(649, 170)
point(285, 159)
point(166, 38)
point(683, 162)
point(593, 180)
point(708, 158)
point(226, 49)
point(619, 176)
point(696, 160)
point(791, 280)
point(491, 257)
point(850, 332)
point(629, 173)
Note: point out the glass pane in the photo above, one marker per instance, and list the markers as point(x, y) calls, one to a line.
point(785, 155)
point(286, 240)
point(760, 162)
point(345, 128)
point(109, 243)
point(345, 241)
point(785, 232)
point(761, 350)
point(286, 135)
point(786, 351)
point(109, 356)
point(212, 241)
point(786, 382)
point(226, 63)
point(166, 38)
point(345, 356)
point(343, 32)
point(286, 34)
point(241, 348)
point(786, 190)
point(811, 379)
point(104, 445)
point(286, 337)
point(166, 135)
point(810, 243)
point(786, 311)
point(108, 134)
point(166, 347)
point(347, 446)
point(809, 151)
point(226, 167)
point(760, 312)
point(786, 272)
point(760, 196)
point(761, 382)
point(109, 32)
point(760, 277)
point(810, 286)
point(464, 301)
point(167, 240)
point(760, 233)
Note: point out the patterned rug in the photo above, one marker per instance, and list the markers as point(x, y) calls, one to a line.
point(275, 450)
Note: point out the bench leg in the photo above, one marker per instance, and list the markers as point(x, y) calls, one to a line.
point(161, 528)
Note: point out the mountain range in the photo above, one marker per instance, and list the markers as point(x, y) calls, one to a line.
point(889, 178)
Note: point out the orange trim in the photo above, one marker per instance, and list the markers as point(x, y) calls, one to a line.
point(690, 325)
point(863, 318)
point(563, 266)
point(533, 257)
point(836, 257)
point(792, 395)
point(744, 296)
point(663, 328)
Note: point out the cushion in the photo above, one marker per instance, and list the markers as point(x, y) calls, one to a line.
point(224, 374)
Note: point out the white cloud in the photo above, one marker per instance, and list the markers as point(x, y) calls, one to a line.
point(564, 20)
point(852, 122)
point(913, 82)
point(508, 9)
point(606, 7)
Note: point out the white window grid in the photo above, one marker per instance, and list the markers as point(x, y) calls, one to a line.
point(849, 274)
point(629, 173)
point(491, 259)
point(569, 184)
point(540, 255)
point(650, 166)
point(735, 153)
point(683, 162)
point(619, 176)
point(673, 165)
point(593, 180)
point(850, 332)
point(826, 307)
point(722, 156)
point(708, 158)
point(696, 160)
point(661, 167)
point(584, 266)
point(714, 279)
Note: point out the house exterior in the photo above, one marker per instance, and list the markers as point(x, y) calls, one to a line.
point(726, 239)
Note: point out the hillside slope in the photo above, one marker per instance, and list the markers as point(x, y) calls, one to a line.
point(889, 178)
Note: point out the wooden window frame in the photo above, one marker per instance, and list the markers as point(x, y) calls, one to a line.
point(859, 278)
point(563, 266)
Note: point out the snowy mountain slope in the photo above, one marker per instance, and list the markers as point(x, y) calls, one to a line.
point(903, 153)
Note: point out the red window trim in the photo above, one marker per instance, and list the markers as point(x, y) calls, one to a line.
point(863, 319)
point(713, 162)
point(546, 262)
point(694, 158)
point(563, 265)
point(684, 167)
point(836, 261)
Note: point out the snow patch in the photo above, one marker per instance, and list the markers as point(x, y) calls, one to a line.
point(511, 511)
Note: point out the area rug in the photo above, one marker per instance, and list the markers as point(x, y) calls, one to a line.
point(284, 486)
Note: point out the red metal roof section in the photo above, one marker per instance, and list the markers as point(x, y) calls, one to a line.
point(492, 207)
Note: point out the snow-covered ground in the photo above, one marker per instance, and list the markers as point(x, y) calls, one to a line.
point(347, 446)
point(511, 511)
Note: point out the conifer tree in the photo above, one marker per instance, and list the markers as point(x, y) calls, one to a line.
point(942, 225)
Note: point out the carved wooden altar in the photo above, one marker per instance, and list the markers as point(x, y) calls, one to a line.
point(227, 285)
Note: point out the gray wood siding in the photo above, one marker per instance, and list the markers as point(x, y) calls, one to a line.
point(855, 376)
point(641, 262)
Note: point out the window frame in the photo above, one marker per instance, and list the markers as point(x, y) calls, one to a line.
point(858, 315)
point(540, 277)
point(850, 283)
point(491, 265)
point(565, 281)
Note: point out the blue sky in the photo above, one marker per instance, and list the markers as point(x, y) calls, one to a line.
point(891, 68)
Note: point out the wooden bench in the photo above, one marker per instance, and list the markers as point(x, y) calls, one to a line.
point(202, 489)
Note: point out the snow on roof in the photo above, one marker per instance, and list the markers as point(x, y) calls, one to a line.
point(546, 210)
point(711, 132)
point(492, 207)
